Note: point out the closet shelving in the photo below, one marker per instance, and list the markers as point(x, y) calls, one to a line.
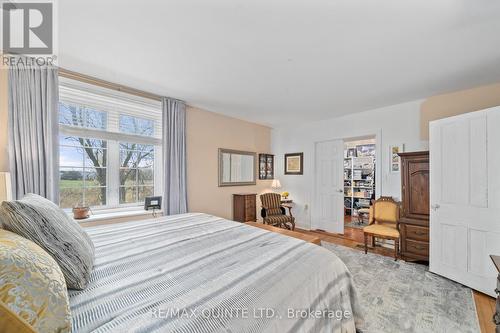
point(359, 182)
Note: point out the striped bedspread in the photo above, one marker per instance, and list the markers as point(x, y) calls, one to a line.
point(201, 273)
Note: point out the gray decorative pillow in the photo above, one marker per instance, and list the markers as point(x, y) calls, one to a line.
point(45, 224)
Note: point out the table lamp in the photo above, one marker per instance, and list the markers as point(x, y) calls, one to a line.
point(5, 187)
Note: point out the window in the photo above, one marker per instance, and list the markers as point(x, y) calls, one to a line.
point(83, 172)
point(81, 116)
point(135, 125)
point(109, 147)
point(136, 172)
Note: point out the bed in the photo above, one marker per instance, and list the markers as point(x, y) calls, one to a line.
point(201, 273)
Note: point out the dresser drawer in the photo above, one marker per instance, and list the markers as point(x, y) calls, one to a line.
point(413, 232)
point(251, 215)
point(417, 247)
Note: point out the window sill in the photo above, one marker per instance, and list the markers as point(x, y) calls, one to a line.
point(112, 214)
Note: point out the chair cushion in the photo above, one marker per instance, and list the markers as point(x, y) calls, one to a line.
point(273, 211)
point(33, 294)
point(382, 230)
point(386, 211)
point(45, 224)
point(276, 219)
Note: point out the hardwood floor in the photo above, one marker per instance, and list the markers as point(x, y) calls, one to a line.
point(355, 234)
point(485, 305)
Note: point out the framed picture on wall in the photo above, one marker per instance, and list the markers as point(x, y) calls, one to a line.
point(395, 160)
point(294, 164)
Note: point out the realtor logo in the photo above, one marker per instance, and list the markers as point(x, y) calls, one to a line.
point(27, 28)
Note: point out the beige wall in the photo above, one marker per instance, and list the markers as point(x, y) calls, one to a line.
point(4, 162)
point(452, 104)
point(206, 133)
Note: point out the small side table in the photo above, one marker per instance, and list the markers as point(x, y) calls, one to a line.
point(286, 201)
point(289, 207)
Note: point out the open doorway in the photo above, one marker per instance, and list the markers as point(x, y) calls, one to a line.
point(359, 184)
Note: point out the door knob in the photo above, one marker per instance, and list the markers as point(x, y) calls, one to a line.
point(340, 191)
point(435, 206)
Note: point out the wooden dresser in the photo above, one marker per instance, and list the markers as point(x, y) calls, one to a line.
point(244, 207)
point(415, 210)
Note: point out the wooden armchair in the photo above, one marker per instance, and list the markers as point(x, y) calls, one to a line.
point(384, 220)
point(274, 213)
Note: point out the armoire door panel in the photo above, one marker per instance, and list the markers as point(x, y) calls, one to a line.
point(419, 191)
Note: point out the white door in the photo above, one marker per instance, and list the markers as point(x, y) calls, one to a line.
point(329, 183)
point(465, 198)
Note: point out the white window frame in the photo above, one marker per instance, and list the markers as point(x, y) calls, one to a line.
point(114, 137)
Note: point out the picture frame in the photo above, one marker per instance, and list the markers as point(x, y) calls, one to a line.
point(294, 164)
point(395, 160)
point(351, 152)
point(237, 167)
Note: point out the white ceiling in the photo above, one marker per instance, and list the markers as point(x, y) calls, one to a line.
point(285, 61)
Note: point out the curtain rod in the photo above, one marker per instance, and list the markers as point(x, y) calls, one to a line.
point(106, 84)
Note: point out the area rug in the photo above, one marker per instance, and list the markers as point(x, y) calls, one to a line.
point(404, 297)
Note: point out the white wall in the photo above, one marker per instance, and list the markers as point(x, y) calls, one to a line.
point(397, 124)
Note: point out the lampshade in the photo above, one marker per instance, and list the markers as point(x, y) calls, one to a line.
point(5, 187)
point(276, 184)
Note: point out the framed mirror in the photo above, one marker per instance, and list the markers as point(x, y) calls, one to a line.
point(237, 168)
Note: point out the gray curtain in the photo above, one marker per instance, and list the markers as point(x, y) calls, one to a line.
point(33, 131)
point(174, 156)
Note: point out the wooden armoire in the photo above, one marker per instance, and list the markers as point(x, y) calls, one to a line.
point(415, 207)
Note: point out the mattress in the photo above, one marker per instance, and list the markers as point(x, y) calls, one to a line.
point(202, 273)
